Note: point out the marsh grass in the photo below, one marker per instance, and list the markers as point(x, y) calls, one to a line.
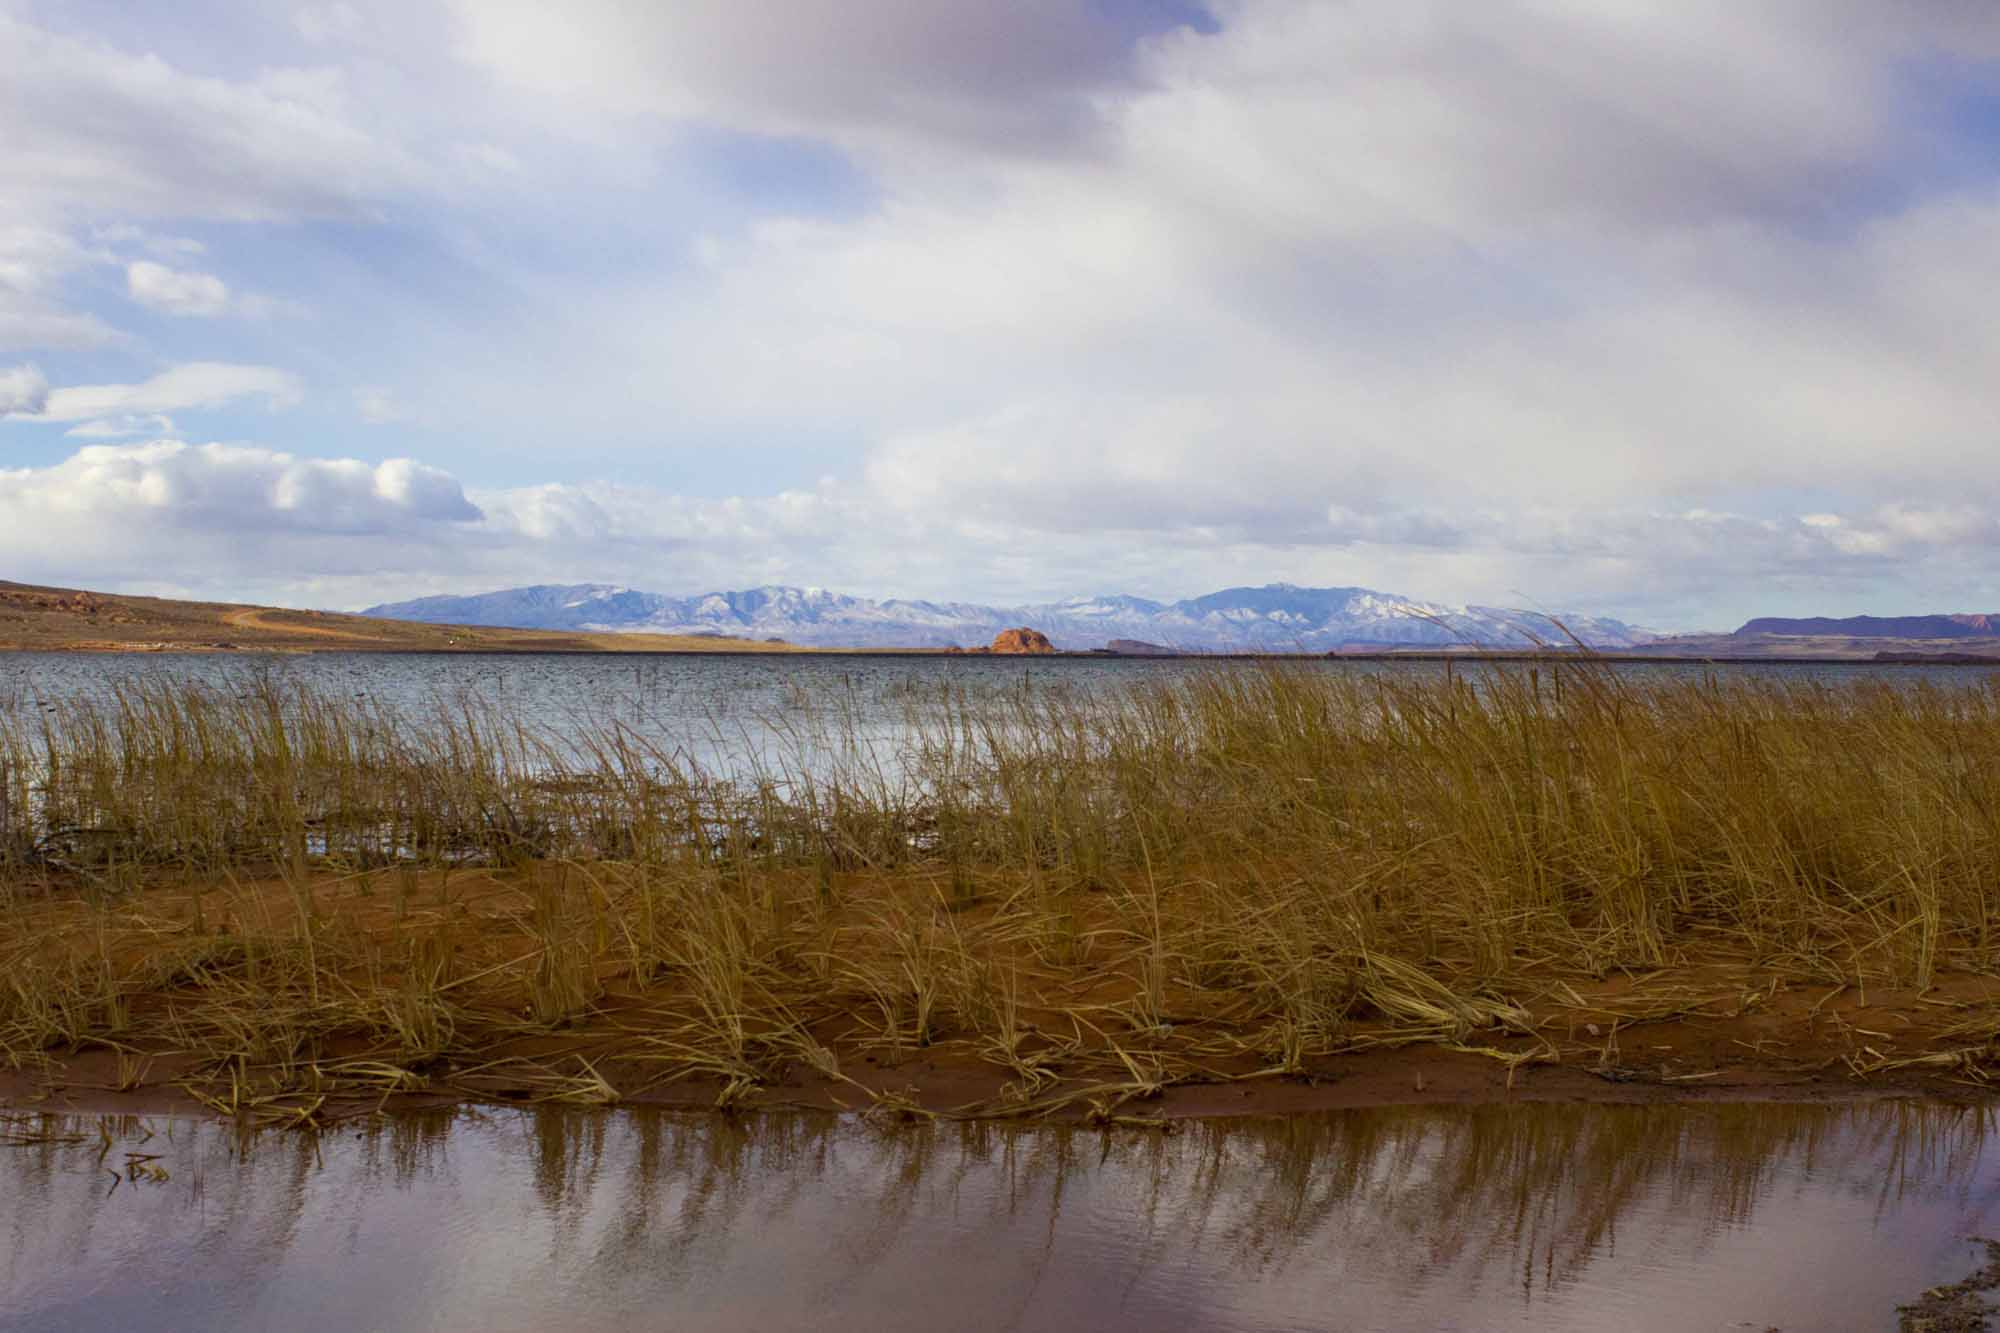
point(282, 895)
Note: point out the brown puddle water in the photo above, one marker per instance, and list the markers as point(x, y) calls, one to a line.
point(1505, 1217)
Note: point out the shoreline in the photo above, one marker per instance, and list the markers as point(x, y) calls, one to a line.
point(1408, 1079)
point(727, 648)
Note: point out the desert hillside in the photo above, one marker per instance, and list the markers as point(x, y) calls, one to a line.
point(37, 618)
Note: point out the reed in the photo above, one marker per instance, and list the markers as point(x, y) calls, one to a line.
point(261, 889)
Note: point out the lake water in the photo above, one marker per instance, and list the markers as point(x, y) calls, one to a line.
point(726, 710)
point(1524, 1217)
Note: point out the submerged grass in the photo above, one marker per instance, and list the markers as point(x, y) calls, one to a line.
point(276, 897)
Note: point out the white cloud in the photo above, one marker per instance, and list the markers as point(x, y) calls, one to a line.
point(34, 259)
point(34, 262)
point(94, 128)
point(102, 142)
point(227, 519)
point(1016, 363)
point(175, 291)
point(152, 425)
point(148, 498)
point(200, 384)
point(24, 391)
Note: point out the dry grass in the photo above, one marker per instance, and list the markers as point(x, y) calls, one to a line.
point(280, 898)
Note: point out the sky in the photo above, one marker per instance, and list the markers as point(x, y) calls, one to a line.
point(1673, 310)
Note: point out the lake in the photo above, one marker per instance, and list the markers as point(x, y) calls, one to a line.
point(728, 711)
point(1500, 1217)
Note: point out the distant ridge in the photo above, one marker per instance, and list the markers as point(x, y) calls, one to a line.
point(46, 619)
point(1962, 626)
point(1278, 617)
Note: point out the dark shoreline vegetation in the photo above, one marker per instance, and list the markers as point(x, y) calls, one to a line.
point(1241, 889)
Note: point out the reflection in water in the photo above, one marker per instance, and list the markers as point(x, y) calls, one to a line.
point(1529, 1216)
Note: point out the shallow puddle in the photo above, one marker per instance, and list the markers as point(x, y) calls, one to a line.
point(1564, 1217)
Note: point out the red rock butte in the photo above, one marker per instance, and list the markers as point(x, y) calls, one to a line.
point(1022, 640)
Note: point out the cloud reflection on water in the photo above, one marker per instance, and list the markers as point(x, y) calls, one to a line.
point(1529, 1216)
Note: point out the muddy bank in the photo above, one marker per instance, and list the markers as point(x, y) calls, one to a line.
point(304, 998)
point(84, 1083)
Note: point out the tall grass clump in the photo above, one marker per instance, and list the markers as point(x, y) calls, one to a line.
point(1235, 861)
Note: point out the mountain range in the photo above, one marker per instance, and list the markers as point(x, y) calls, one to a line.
point(1278, 617)
point(1949, 626)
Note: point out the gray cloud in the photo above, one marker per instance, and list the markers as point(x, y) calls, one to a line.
point(1475, 122)
point(1019, 75)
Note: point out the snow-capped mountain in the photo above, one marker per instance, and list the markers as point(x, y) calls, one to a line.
point(1278, 618)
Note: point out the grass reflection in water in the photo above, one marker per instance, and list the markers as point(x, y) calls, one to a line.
point(1536, 1207)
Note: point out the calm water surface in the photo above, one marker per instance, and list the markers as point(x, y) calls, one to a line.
point(1525, 1217)
point(729, 712)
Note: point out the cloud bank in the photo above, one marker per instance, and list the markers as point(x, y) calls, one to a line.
point(235, 521)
